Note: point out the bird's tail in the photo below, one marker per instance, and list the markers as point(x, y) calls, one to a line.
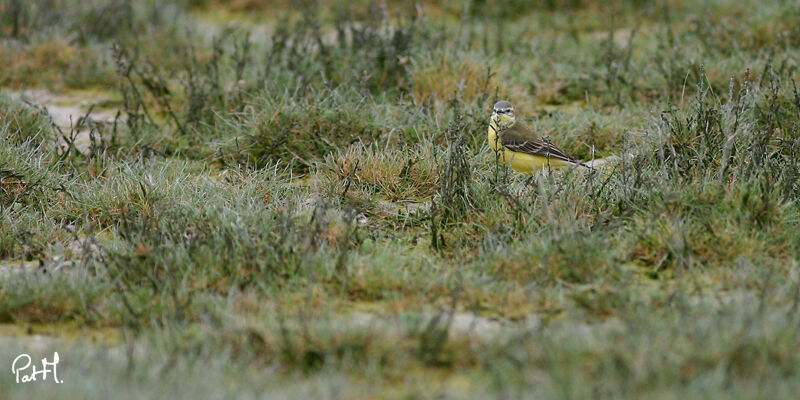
point(605, 161)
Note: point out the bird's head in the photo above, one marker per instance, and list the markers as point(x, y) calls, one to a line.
point(503, 114)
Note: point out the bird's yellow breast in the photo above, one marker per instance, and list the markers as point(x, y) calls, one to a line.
point(518, 161)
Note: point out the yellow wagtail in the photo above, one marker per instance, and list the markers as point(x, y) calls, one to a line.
point(519, 147)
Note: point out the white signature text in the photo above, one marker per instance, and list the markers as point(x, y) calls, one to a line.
point(23, 362)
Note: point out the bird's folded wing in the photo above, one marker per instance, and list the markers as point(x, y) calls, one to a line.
point(535, 148)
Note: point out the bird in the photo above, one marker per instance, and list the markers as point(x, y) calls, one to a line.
point(519, 147)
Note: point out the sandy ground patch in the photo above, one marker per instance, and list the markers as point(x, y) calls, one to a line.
point(67, 109)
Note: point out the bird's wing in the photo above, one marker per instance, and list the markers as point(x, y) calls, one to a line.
point(520, 138)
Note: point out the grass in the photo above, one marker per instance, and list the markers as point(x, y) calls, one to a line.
point(301, 203)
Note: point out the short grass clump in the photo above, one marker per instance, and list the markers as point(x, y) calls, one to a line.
point(302, 133)
point(370, 173)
